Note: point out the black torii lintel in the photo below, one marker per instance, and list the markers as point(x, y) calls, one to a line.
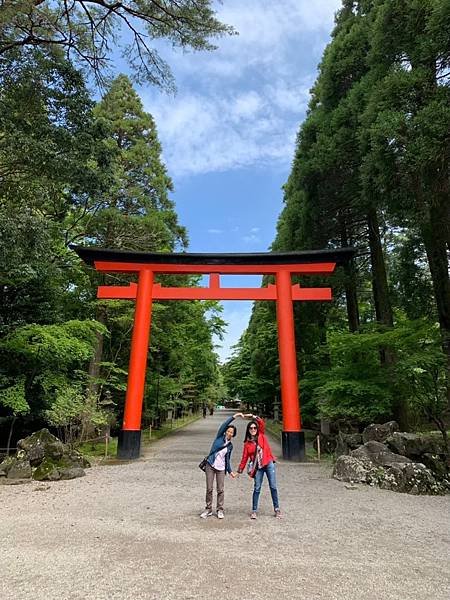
point(338, 255)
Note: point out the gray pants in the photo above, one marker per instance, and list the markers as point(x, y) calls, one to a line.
point(220, 480)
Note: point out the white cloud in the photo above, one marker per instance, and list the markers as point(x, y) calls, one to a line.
point(211, 133)
point(242, 104)
point(254, 229)
point(215, 231)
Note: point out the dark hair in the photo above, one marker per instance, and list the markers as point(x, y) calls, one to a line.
point(248, 435)
point(234, 429)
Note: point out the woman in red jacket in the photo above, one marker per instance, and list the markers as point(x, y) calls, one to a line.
point(257, 450)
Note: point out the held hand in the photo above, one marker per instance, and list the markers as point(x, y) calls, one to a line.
point(233, 475)
point(248, 416)
point(238, 415)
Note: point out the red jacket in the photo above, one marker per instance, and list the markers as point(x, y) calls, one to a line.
point(249, 450)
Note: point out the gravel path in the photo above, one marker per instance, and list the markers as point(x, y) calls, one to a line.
point(132, 531)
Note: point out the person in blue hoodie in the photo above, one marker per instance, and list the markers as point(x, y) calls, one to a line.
point(218, 464)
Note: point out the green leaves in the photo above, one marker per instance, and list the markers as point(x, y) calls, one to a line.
point(59, 347)
point(12, 397)
point(358, 388)
point(87, 31)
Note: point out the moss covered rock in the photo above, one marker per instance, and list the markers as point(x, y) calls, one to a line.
point(19, 469)
point(41, 444)
point(43, 457)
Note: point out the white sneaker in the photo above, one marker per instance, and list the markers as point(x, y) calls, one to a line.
point(220, 514)
point(206, 513)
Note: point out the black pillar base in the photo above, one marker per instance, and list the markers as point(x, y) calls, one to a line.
point(293, 443)
point(129, 445)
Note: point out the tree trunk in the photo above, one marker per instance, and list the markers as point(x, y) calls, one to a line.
point(94, 365)
point(434, 232)
point(8, 443)
point(350, 285)
point(383, 308)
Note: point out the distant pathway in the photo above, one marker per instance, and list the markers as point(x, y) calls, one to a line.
point(132, 532)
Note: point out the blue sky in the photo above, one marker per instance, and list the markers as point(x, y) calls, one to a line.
point(228, 134)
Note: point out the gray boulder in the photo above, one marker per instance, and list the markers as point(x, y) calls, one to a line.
point(378, 454)
point(410, 478)
point(349, 468)
point(437, 464)
point(50, 470)
point(345, 442)
point(41, 444)
point(19, 469)
point(379, 432)
point(6, 464)
point(415, 446)
point(42, 456)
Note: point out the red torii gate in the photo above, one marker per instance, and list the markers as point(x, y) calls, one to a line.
point(280, 264)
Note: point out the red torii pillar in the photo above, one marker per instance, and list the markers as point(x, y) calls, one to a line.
point(282, 265)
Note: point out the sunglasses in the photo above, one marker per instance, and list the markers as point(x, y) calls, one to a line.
point(253, 427)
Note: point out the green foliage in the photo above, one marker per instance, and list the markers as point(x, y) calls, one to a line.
point(136, 212)
point(70, 409)
point(359, 388)
point(57, 347)
point(44, 363)
point(370, 170)
point(86, 31)
point(12, 396)
point(71, 171)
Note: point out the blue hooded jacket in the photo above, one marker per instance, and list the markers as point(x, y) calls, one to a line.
point(218, 443)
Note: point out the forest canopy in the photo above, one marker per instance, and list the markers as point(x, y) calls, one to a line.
point(371, 170)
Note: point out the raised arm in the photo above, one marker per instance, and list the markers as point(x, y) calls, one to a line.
point(259, 420)
point(261, 424)
point(223, 427)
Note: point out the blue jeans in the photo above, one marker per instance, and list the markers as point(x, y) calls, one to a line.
point(269, 470)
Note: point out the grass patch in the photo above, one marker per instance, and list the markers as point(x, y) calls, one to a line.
point(96, 450)
point(275, 429)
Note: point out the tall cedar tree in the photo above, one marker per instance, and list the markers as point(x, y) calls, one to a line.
point(136, 213)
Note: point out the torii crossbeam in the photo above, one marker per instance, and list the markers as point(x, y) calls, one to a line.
point(282, 265)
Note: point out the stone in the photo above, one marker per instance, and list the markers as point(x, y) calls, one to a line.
point(20, 469)
point(76, 459)
point(6, 464)
point(64, 468)
point(6, 481)
point(414, 445)
point(353, 470)
point(71, 472)
point(42, 456)
point(379, 432)
point(437, 464)
point(346, 442)
point(41, 444)
point(412, 478)
point(378, 454)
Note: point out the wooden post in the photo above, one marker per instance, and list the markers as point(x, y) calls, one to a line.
point(318, 447)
